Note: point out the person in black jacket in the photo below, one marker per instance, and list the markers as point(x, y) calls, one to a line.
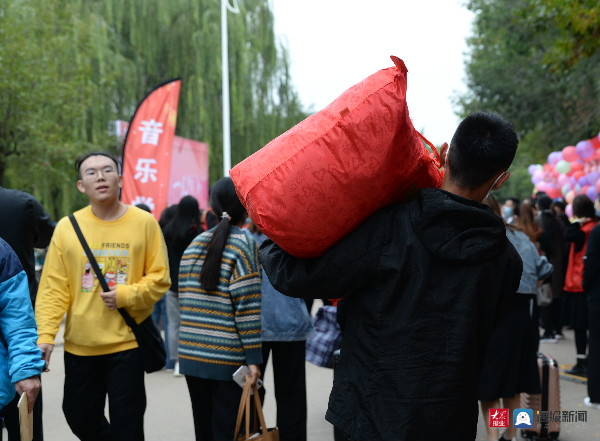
point(553, 245)
point(24, 225)
point(425, 283)
point(591, 286)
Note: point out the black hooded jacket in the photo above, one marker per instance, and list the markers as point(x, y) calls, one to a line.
point(425, 283)
point(24, 224)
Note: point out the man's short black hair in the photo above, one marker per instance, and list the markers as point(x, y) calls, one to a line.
point(483, 145)
point(543, 202)
point(83, 157)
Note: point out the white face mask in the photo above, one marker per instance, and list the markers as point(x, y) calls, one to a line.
point(493, 185)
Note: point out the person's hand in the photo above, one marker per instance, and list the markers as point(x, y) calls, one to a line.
point(254, 373)
point(31, 386)
point(47, 349)
point(110, 298)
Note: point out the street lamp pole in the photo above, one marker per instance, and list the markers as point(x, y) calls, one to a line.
point(225, 6)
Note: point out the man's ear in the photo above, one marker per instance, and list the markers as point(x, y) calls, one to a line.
point(444, 153)
point(501, 180)
point(80, 186)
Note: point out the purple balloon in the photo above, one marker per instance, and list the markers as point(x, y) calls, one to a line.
point(585, 149)
point(583, 181)
point(593, 177)
point(592, 193)
point(536, 179)
point(554, 157)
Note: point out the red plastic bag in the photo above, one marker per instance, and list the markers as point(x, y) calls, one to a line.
point(316, 182)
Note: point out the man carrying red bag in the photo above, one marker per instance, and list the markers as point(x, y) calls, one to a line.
point(425, 284)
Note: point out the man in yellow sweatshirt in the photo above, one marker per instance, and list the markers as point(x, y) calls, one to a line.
point(101, 353)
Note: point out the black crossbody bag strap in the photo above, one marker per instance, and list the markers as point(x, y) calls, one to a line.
point(128, 319)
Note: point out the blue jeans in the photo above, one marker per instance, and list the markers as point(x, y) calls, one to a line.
point(160, 312)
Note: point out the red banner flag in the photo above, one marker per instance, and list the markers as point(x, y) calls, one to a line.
point(147, 149)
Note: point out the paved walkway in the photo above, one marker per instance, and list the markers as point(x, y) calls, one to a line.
point(169, 418)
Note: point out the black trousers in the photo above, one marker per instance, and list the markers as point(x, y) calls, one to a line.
point(551, 320)
point(594, 354)
point(289, 378)
point(215, 407)
point(10, 414)
point(88, 380)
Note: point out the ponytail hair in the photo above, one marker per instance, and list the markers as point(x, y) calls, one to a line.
point(227, 207)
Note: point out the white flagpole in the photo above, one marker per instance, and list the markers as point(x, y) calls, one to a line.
point(225, 72)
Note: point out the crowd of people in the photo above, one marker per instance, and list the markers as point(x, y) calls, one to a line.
point(431, 289)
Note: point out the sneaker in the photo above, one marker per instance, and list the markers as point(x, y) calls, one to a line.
point(559, 336)
point(549, 339)
point(577, 370)
point(589, 403)
point(176, 370)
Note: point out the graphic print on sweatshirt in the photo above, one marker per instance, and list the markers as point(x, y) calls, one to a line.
point(113, 260)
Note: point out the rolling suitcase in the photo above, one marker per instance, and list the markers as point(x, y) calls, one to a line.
point(545, 406)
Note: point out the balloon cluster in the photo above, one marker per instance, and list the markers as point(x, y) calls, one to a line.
point(570, 172)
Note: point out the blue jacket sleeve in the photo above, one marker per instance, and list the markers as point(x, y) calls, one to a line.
point(17, 322)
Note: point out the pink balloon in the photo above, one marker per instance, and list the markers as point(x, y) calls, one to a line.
point(563, 179)
point(569, 210)
point(554, 192)
point(598, 186)
point(569, 153)
point(576, 166)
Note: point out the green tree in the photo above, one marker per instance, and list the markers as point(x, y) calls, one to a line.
point(577, 23)
point(512, 69)
point(68, 67)
point(50, 87)
point(158, 40)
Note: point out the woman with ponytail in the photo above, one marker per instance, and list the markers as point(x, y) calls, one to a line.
point(220, 300)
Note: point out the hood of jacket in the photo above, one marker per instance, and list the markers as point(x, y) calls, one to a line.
point(456, 229)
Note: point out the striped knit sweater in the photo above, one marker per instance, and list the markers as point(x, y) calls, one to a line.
point(220, 330)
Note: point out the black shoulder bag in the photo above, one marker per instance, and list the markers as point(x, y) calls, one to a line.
point(146, 333)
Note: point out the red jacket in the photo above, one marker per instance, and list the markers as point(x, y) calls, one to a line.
point(574, 276)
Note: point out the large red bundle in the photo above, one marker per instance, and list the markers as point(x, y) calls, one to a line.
point(313, 184)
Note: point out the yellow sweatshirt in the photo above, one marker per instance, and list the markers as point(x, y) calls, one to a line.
point(131, 253)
